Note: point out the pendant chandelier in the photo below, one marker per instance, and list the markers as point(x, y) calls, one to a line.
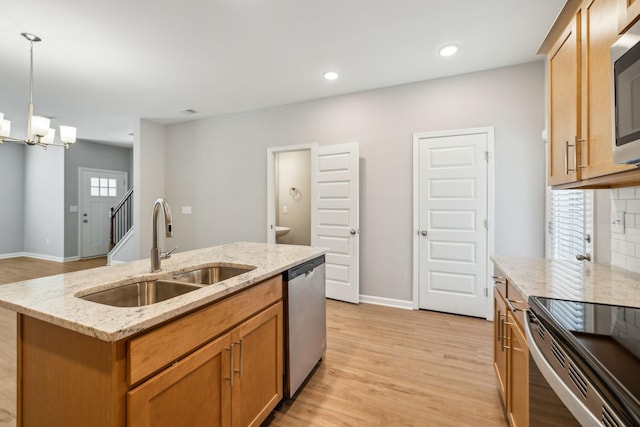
point(38, 131)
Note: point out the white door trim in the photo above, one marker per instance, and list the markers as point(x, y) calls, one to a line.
point(489, 131)
point(81, 197)
point(271, 184)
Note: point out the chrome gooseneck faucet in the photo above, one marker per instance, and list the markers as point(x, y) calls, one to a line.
point(156, 253)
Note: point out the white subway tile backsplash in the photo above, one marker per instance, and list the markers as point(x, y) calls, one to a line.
point(633, 235)
point(618, 206)
point(625, 247)
point(618, 259)
point(633, 206)
point(630, 220)
point(627, 193)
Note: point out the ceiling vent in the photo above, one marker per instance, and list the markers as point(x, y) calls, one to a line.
point(189, 111)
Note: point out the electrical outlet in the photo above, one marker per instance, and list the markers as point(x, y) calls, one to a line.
point(617, 222)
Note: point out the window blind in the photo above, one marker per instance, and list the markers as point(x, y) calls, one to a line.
point(570, 216)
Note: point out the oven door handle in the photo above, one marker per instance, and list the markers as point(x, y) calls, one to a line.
point(570, 400)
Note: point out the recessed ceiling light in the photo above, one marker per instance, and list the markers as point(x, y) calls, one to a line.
point(330, 75)
point(448, 50)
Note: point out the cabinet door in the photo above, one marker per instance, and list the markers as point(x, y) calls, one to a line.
point(628, 12)
point(563, 73)
point(258, 366)
point(599, 32)
point(195, 391)
point(499, 350)
point(518, 380)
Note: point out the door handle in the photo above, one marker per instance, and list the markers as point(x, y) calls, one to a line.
point(85, 220)
point(423, 232)
point(585, 257)
point(353, 232)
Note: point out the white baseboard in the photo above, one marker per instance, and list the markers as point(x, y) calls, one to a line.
point(72, 258)
point(13, 255)
point(388, 302)
point(116, 262)
point(44, 257)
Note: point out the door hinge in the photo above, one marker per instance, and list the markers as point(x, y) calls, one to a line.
point(486, 224)
point(486, 156)
point(486, 292)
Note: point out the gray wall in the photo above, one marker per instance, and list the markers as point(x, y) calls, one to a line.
point(44, 203)
point(12, 175)
point(88, 155)
point(149, 181)
point(218, 165)
point(294, 170)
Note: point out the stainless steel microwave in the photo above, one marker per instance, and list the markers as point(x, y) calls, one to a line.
point(625, 72)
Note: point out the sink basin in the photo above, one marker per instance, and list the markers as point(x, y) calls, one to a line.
point(282, 230)
point(211, 275)
point(141, 293)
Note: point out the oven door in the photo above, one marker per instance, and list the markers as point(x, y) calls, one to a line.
point(551, 401)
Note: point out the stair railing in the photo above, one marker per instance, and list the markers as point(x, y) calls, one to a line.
point(121, 219)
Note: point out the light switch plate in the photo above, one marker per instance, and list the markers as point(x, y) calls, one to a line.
point(73, 208)
point(285, 210)
point(617, 222)
point(186, 210)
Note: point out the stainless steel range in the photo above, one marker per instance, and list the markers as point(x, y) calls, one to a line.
point(588, 356)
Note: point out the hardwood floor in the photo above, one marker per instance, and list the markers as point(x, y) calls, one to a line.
point(383, 366)
point(392, 367)
point(14, 270)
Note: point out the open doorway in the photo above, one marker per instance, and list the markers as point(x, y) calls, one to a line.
point(289, 195)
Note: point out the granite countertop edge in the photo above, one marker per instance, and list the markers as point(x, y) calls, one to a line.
point(571, 280)
point(54, 299)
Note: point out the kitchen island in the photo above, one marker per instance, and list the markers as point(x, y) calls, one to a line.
point(218, 347)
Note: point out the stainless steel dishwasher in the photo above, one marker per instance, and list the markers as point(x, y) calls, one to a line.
point(305, 322)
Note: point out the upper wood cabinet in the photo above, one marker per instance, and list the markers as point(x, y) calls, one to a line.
point(599, 32)
point(563, 73)
point(579, 97)
point(628, 12)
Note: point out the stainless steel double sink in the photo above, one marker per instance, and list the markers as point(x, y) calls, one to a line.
point(152, 291)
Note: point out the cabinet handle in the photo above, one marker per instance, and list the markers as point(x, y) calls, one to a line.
point(498, 279)
point(566, 157)
point(230, 378)
point(239, 371)
point(583, 151)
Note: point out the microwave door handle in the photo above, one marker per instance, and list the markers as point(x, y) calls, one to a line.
point(566, 157)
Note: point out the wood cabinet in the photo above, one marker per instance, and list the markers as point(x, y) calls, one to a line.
point(628, 12)
point(193, 392)
point(518, 380)
point(235, 380)
point(579, 97)
point(221, 365)
point(511, 353)
point(499, 350)
point(563, 72)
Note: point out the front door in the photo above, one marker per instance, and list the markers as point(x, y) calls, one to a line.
point(335, 219)
point(452, 214)
point(99, 191)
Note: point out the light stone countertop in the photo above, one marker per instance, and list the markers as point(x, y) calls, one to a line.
point(54, 299)
point(571, 280)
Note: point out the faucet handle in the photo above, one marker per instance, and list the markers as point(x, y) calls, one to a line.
point(165, 255)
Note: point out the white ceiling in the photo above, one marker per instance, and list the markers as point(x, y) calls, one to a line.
point(103, 64)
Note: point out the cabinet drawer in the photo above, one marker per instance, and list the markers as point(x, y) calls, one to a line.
point(517, 304)
point(500, 281)
point(154, 350)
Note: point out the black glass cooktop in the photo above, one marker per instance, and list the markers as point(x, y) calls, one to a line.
point(605, 337)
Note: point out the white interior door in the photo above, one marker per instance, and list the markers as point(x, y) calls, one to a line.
point(99, 192)
point(336, 217)
point(452, 215)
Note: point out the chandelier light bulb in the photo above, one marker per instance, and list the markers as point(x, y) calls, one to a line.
point(38, 131)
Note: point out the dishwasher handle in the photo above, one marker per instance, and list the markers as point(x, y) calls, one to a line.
point(303, 269)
